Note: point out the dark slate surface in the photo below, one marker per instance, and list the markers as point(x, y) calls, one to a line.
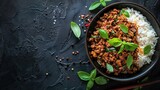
point(34, 32)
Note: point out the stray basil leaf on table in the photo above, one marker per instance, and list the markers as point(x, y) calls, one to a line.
point(76, 29)
point(84, 75)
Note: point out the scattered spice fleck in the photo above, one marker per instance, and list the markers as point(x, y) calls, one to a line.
point(80, 62)
point(60, 59)
point(73, 53)
point(56, 57)
point(72, 69)
point(82, 16)
point(89, 20)
point(77, 52)
point(67, 58)
point(68, 77)
point(87, 25)
point(87, 16)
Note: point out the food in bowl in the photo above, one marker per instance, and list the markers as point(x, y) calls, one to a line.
point(123, 41)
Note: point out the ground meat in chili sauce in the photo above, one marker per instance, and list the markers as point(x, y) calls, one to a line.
point(110, 22)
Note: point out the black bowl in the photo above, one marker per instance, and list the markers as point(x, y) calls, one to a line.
point(146, 68)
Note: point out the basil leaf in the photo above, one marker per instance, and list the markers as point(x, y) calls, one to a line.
point(108, 0)
point(147, 49)
point(101, 80)
point(129, 61)
point(90, 84)
point(103, 2)
point(121, 49)
point(115, 42)
point(83, 75)
point(103, 33)
point(109, 67)
point(124, 12)
point(124, 28)
point(76, 29)
point(93, 74)
point(130, 46)
point(94, 5)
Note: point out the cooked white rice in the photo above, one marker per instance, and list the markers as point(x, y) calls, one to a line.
point(146, 35)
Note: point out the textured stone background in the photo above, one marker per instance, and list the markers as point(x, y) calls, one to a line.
point(34, 32)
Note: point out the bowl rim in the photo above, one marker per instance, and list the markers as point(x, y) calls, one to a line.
point(87, 51)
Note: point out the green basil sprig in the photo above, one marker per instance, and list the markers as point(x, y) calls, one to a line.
point(103, 33)
point(109, 67)
point(84, 75)
point(89, 84)
point(103, 2)
point(91, 78)
point(116, 42)
point(129, 61)
point(93, 74)
point(121, 49)
point(147, 49)
point(76, 29)
point(124, 28)
point(100, 80)
point(130, 46)
point(124, 12)
point(96, 4)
